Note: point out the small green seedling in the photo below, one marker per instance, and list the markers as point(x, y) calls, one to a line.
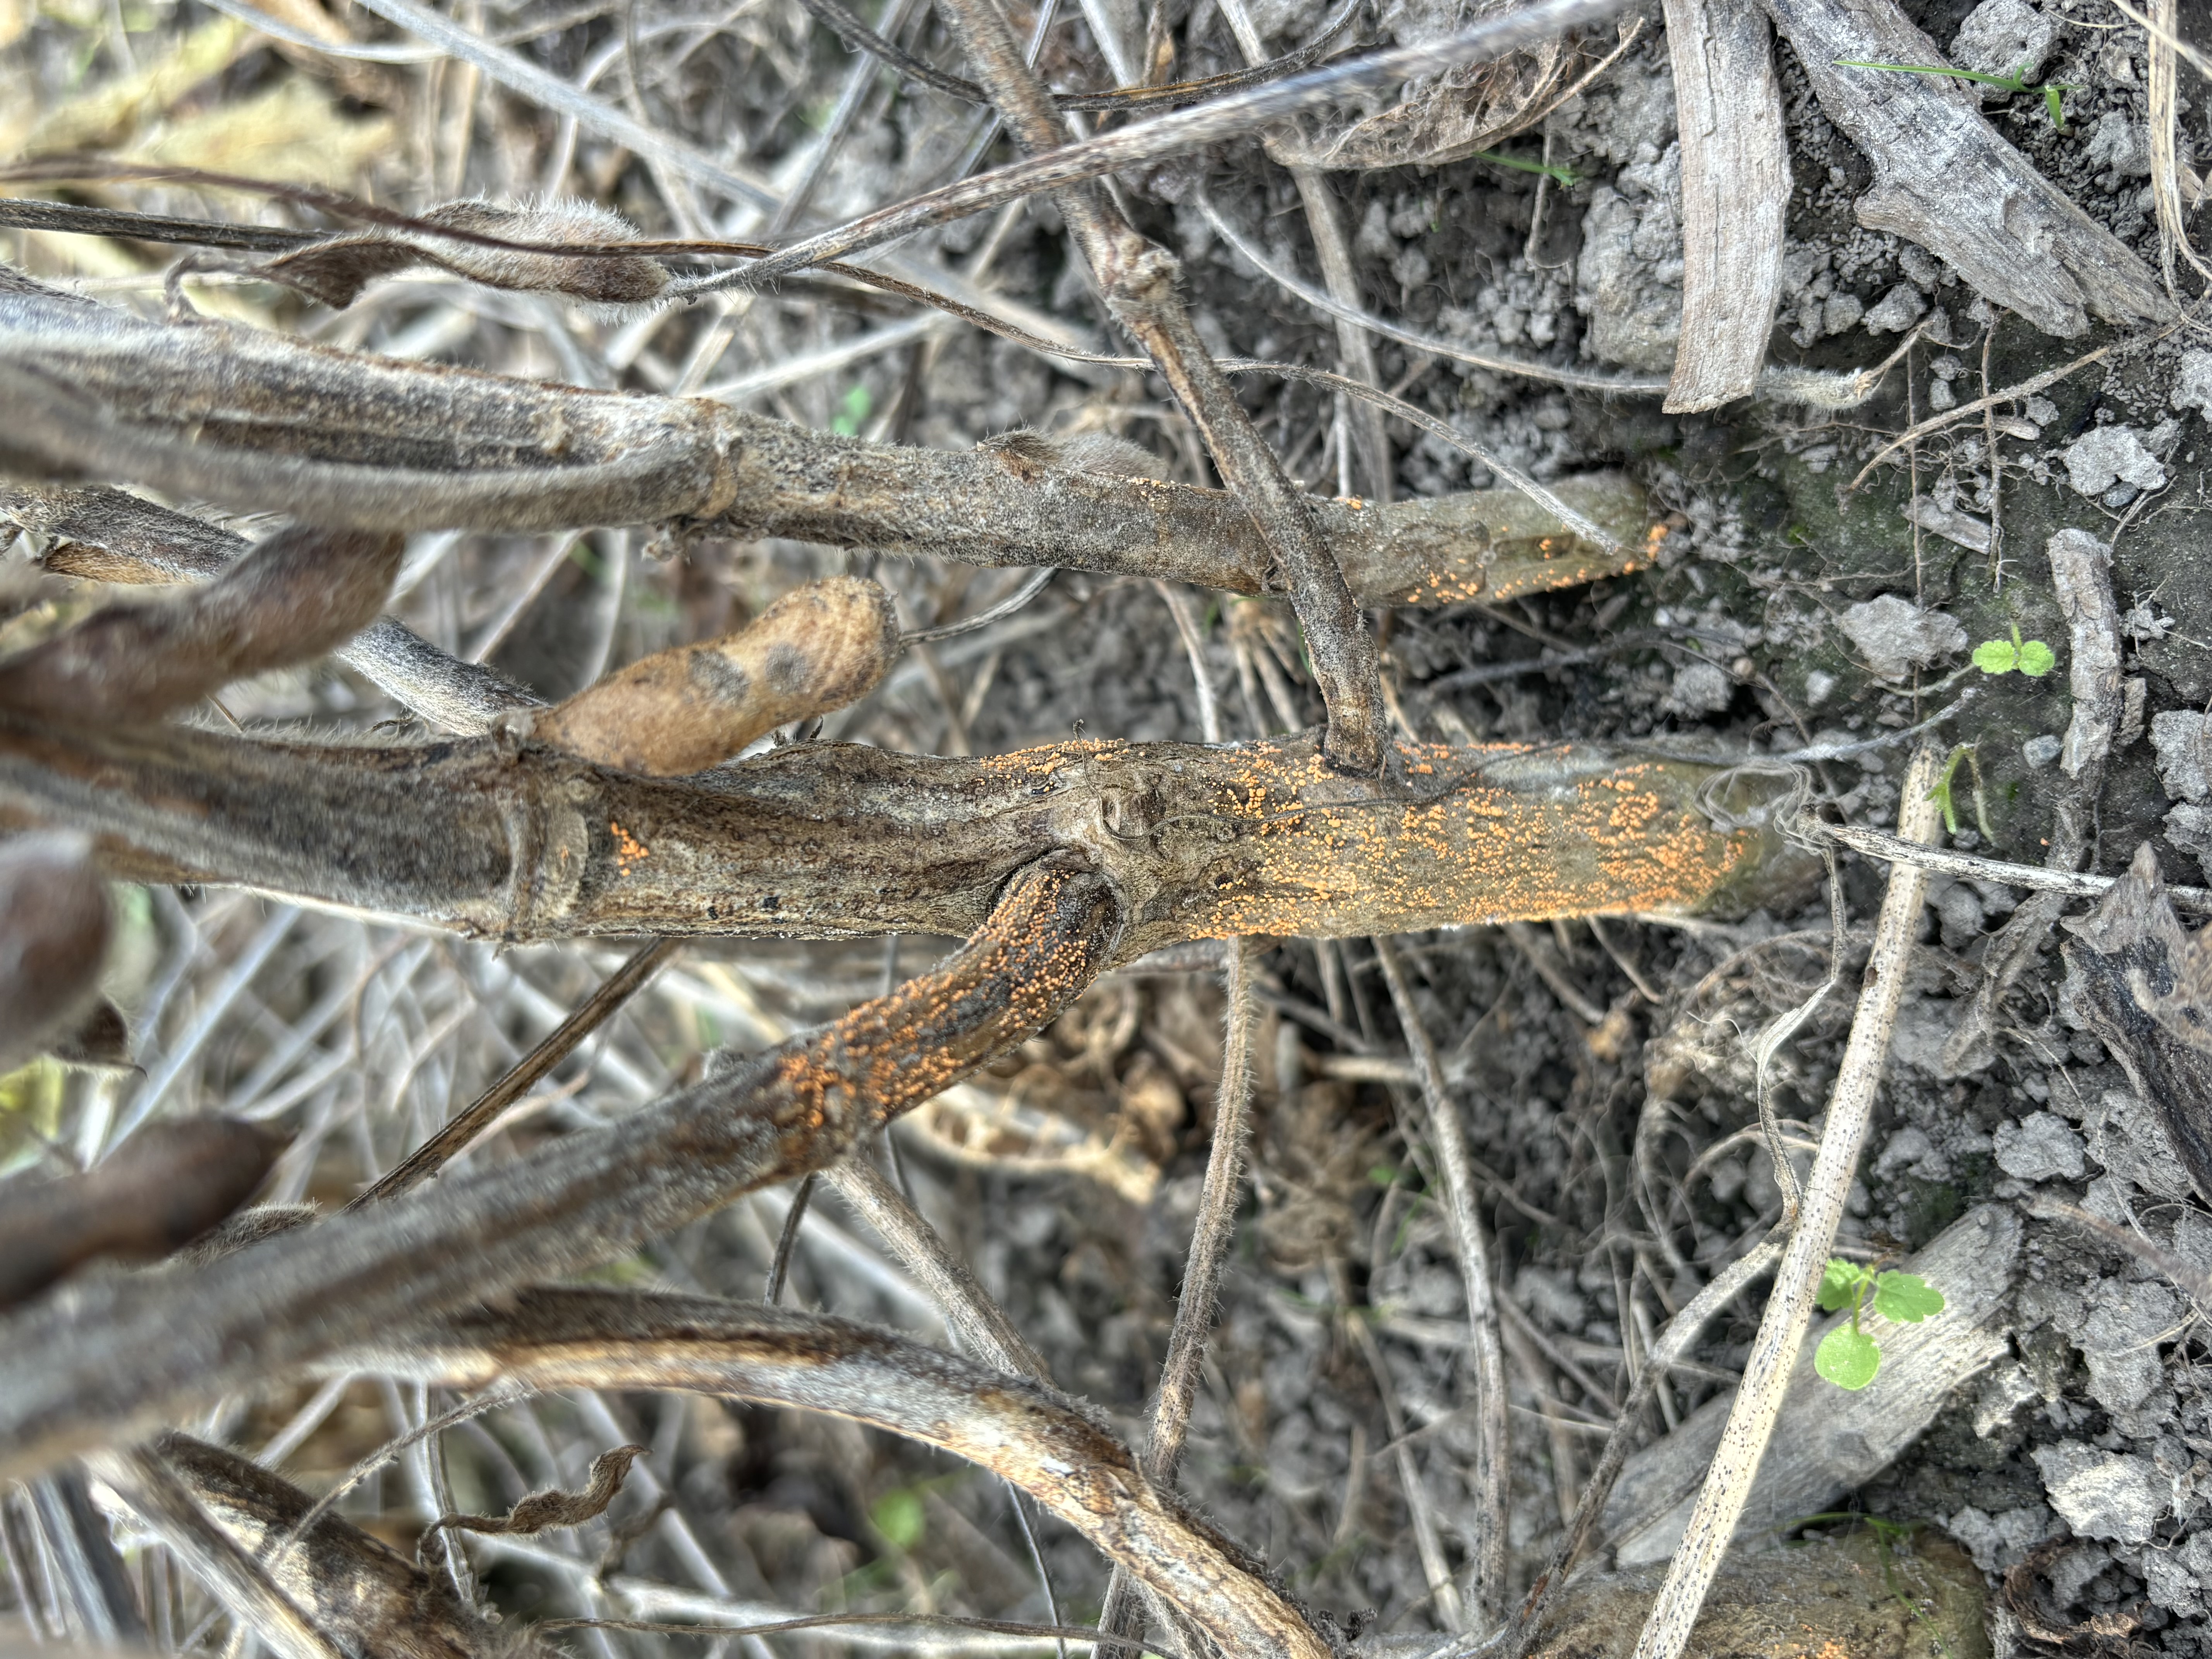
point(1847, 1356)
point(1566, 178)
point(2032, 657)
point(852, 408)
point(2017, 81)
point(1940, 794)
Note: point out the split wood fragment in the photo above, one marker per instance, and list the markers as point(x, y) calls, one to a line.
point(1945, 178)
point(1735, 188)
point(1728, 1482)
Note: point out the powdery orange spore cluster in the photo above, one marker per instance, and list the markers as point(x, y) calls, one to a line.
point(1317, 856)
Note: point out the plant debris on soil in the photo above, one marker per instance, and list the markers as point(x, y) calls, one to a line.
point(1822, 597)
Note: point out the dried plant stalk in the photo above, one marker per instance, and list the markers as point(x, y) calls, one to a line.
point(1019, 1429)
point(259, 422)
point(117, 1357)
point(362, 1596)
point(524, 843)
point(54, 926)
point(143, 1479)
point(682, 710)
point(291, 599)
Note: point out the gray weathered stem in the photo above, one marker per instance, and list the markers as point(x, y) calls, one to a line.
point(109, 1359)
point(1019, 1429)
point(1735, 187)
point(1766, 1374)
point(1944, 178)
point(1448, 1137)
point(1138, 279)
point(221, 413)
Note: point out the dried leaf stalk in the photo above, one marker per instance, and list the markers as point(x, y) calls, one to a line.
point(110, 1359)
point(1019, 1429)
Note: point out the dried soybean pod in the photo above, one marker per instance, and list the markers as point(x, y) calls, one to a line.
point(161, 1188)
point(294, 597)
point(682, 710)
point(53, 938)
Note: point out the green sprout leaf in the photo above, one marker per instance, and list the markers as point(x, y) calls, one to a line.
point(2017, 81)
point(852, 410)
point(2032, 657)
point(1906, 1297)
point(1839, 1284)
point(898, 1516)
point(1847, 1357)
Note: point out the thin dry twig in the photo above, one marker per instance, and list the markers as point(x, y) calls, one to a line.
point(1448, 1137)
point(465, 1126)
point(1018, 1429)
point(1211, 1236)
point(1789, 1306)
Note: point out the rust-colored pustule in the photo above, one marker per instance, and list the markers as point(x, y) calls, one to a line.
point(682, 710)
point(1052, 932)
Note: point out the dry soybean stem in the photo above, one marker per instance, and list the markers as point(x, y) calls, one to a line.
point(1790, 1307)
point(1210, 1237)
point(979, 1323)
point(1448, 1136)
point(1022, 1430)
point(1138, 279)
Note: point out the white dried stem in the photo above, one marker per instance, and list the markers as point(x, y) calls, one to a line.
point(1735, 187)
point(1796, 1285)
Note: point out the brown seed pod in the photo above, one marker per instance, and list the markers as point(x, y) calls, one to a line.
point(336, 270)
point(164, 1187)
point(682, 710)
point(294, 597)
point(53, 938)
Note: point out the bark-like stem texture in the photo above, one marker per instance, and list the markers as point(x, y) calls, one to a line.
point(1735, 187)
point(1019, 1429)
point(1946, 180)
point(357, 1593)
point(259, 422)
point(519, 841)
point(103, 1361)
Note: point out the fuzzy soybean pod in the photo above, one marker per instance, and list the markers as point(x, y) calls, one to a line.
point(294, 597)
point(53, 938)
point(682, 710)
